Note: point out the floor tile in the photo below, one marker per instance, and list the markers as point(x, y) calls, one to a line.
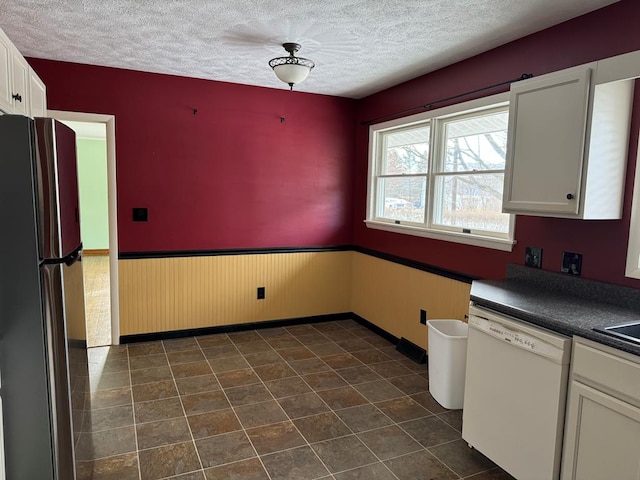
point(149, 375)
point(263, 358)
point(107, 418)
point(191, 369)
point(389, 442)
point(243, 470)
point(274, 332)
point(296, 464)
point(120, 467)
point(224, 448)
point(379, 391)
point(303, 405)
point(342, 360)
point(363, 417)
point(371, 356)
point(324, 380)
point(157, 410)
point(258, 414)
point(237, 378)
point(275, 437)
point(411, 383)
point(419, 466)
point(323, 426)
point(244, 337)
point(273, 372)
point(493, 474)
point(357, 375)
point(198, 475)
point(402, 409)
point(228, 364)
point(298, 330)
point(342, 398)
point(287, 387)
point(462, 459)
point(180, 344)
point(390, 369)
point(221, 351)
point(392, 352)
point(343, 453)
point(378, 341)
point(187, 356)
point(107, 381)
point(208, 341)
point(430, 431)
point(312, 339)
point(326, 349)
point(375, 471)
point(353, 345)
point(166, 461)
point(340, 335)
point(204, 402)
point(199, 384)
point(154, 391)
point(106, 443)
point(420, 368)
point(309, 365)
point(213, 423)
point(165, 432)
point(150, 348)
point(427, 401)
point(298, 353)
point(110, 365)
point(110, 398)
point(453, 418)
point(254, 347)
point(248, 394)
point(327, 326)
point(148, 361)
point(284, 343)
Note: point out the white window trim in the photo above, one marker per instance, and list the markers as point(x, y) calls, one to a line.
point(632, 269)
point(498, 100)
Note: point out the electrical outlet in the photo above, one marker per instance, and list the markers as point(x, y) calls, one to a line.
point(140, 214)
point(261, 293)
point(571, 263)
point(533, 257)
point(423, 317)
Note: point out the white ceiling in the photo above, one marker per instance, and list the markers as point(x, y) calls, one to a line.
point(359, 46)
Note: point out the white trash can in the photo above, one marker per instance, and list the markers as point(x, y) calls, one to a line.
point(447, 361)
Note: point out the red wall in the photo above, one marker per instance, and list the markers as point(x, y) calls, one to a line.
point(607, 32)
point(231, 176)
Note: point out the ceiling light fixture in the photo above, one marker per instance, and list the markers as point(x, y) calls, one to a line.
point(291, 69)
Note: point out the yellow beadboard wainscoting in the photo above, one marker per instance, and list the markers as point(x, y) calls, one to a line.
point(390, 296)
point(167, 294)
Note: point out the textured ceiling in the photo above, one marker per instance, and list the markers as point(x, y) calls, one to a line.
point(359, 46)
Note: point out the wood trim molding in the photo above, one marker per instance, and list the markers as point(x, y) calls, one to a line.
point(95, 252)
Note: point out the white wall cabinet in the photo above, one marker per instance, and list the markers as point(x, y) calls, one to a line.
point(602, 431)
point(21, 90)
point(567, 145)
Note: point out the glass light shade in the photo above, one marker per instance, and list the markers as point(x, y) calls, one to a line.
point(291, 73)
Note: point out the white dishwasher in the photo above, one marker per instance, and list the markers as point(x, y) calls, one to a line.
point(515, 393)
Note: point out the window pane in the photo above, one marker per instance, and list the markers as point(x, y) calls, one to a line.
point(406, 151)
point(402, 198)
point(471, 201)
point(476, 143)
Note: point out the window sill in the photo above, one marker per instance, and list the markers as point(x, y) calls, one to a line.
point(464, 238)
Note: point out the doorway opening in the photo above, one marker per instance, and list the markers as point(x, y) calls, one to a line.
point(95, 141)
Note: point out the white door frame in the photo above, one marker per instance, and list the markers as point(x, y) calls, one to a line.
point(110, 124)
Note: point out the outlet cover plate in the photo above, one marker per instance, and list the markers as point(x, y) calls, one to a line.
point(571, 263)
point(533, 257)
point(423, 317)
point(260, 293)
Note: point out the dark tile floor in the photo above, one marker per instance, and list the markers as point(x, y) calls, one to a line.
point(320, 401)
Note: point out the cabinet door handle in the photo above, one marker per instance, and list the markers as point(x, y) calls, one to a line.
point(17, 97)
point(569, 196)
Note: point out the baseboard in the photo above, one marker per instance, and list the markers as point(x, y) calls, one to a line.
point(95, 252)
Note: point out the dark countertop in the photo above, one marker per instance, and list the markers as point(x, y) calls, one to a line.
point(561, 303)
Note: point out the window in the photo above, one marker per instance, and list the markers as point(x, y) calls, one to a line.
point(440, 174)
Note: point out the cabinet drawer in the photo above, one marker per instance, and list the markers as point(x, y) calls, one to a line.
point(616, 374)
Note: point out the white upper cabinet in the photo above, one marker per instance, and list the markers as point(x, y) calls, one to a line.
point(6, 48)
point(567, 146)
point(21, 90)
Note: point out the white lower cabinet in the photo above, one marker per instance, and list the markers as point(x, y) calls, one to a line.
point(602, 430)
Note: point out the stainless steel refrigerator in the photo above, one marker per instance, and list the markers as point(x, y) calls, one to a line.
point(43, 361)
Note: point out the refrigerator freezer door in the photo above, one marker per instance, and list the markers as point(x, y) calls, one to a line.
point(57, 189)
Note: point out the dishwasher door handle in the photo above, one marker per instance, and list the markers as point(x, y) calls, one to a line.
point(516, 338)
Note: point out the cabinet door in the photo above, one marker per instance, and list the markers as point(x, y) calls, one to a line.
point(37, 95)
point(547, 130)
point(602, 437)
point(20, 87)
point(6, 47)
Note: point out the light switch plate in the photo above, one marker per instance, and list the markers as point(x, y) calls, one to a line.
point(533, 257)
point(571, 263)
